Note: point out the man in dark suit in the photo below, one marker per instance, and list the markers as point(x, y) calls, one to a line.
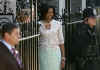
point(8, 55)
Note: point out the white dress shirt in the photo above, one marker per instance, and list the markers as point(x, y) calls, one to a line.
point(7, 45)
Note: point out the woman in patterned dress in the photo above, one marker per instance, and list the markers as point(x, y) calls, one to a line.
point(51, 49)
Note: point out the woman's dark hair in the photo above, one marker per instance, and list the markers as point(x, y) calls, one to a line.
point(44, 10)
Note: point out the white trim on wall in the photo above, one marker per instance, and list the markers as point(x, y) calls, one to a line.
point(61, 6)
point(83, 4)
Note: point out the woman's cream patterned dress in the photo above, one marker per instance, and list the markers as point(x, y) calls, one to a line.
point(49, 50)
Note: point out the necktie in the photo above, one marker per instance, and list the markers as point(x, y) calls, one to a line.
point(16, 55)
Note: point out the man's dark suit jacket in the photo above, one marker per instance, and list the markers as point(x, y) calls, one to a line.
point(7, 60)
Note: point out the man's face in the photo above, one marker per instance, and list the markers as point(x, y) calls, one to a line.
point(14, 36)
point(92, 21)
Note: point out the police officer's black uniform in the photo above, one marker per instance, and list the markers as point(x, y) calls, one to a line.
point(84, 51)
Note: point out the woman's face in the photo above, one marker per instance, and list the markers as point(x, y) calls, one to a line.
point(49, 14)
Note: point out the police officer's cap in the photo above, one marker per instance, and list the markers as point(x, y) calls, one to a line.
point(89, 12)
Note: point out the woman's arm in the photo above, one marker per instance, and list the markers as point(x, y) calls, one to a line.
point(63, 56)
point(62, 50)
point(61, 45)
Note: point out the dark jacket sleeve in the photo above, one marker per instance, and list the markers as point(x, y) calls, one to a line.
point(6, 63)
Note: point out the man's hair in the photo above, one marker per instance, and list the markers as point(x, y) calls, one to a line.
point(8, 28)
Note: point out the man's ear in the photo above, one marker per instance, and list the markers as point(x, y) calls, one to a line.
point(6, 34)
point(86, 20)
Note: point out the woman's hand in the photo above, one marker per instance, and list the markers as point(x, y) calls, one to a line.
point(63, 63)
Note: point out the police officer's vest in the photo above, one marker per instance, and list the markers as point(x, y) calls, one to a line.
point(93, 48)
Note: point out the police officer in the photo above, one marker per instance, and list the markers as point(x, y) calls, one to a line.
point(84, 50)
